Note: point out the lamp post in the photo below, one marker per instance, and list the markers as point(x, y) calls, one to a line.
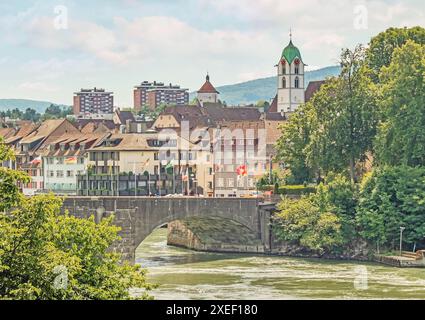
point(401, 239)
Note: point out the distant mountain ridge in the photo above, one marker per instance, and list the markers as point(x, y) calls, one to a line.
point(265, 88)
point(23, 104)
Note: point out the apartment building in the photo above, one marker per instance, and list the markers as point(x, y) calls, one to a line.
point(147, 164)
point(65, 159)
point(93, 102)
point(154, 94)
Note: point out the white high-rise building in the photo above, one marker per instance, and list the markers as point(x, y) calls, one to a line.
point(290, 88)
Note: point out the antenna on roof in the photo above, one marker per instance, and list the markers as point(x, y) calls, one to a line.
point(290, 33)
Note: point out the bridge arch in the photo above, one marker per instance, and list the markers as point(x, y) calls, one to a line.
point(139, 217)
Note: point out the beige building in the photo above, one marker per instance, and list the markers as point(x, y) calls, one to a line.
point(173, 164)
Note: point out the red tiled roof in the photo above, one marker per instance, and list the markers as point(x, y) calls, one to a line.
point(312, 88)
point(207, 87)
point(273, 106)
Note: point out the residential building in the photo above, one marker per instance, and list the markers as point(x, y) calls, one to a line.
point(159, 163)
point(154, 94)
point(29, 143)
point(65, 159)
point(93, 102)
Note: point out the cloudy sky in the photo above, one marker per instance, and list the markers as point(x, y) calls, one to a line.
point(51, 48)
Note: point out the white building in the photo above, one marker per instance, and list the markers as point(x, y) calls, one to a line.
point(291, 91)
point(64, 160)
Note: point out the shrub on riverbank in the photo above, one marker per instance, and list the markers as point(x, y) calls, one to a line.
point(322, 221)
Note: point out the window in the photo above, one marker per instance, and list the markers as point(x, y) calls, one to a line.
point(297, 82)
point(297, 70)
point(59, 174)
point(70, 174)
point(284, 69)
point(60, 161)
point(284, 83)
point(220, 182)
point(231, 182)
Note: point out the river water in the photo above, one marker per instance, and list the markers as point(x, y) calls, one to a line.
point(183, 274)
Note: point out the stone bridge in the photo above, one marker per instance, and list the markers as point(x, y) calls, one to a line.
point(138, 217)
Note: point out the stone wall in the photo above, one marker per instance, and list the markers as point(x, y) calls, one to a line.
point(213, 234)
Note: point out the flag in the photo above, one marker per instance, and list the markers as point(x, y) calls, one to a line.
point(36, 160)
point(71, 160)
point(185, 176)
point(242, 171)
point(169, 168)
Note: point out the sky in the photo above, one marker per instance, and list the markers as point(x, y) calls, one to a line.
point(51, 48)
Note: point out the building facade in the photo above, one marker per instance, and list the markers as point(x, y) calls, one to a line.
point(93, 101)
point(153, 94)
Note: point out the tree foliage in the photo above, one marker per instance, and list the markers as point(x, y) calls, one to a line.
point(47, 255)
point(322, 221)
point(382, 47)
point(390, 198)
point(401, 138)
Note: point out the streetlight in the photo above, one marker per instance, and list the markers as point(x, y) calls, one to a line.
point(401, 239)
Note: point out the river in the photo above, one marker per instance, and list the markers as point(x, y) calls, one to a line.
point(184, 274)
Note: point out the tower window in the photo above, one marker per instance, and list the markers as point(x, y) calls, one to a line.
point(284, 69)
point(297, 70)
point(284, 83)
point(297, 82)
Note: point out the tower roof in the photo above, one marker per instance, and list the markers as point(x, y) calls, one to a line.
point(207, 87)
point(291, 52)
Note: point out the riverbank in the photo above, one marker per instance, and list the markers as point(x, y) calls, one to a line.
point(225, 236)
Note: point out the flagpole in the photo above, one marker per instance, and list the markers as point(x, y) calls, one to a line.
point(135, 180)
point(160, 181)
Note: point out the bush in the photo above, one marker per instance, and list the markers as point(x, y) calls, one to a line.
point(296, 190)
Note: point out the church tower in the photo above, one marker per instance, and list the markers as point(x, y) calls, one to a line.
point(207, 93)
point(290, 89)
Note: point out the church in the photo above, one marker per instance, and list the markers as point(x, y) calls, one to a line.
point(291, 91)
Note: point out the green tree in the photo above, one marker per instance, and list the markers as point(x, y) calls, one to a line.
point(291, 145)
point(390, 198)
point(401, 138)
point(345, 118)
point(31, 115)
point(382, 46)
point(48, 255)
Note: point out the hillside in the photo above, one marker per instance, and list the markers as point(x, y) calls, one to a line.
point(23, 104)
point(264, 89)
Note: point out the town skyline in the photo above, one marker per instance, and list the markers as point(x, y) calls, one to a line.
point(118, 45)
